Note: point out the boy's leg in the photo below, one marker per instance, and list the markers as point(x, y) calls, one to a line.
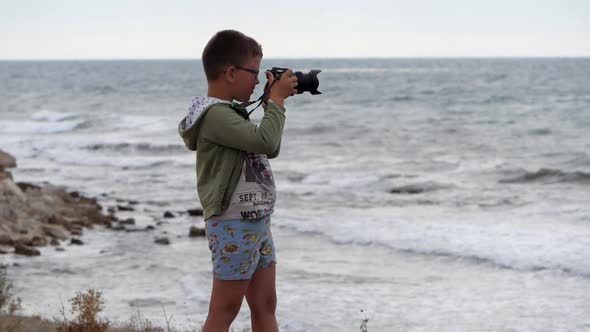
point(226, 300)
point(262, 300)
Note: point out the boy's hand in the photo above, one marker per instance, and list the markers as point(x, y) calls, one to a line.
point(284, 88)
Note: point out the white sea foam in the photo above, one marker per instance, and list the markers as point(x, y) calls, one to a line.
point(464, 236)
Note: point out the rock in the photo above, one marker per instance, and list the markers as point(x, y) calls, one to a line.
point(24, 186)
point(59, 249)
point(150, 227)
point(77, 242)
point(76, 231)
point(128, 221)
point(118, 228)
point(32, 215)
point(133, 202)
point(54, 231)
point(196, 232)
point(6, 161)
point(111, 210)
point(168, 214)
point(125, 208)
point(33, 240)
point(195, 212)
point(20, 249)
point(6, 240)
point(2, 252)
point(135, 229)
point(39, 241)
point(6, 175)
point(162, 240)
point(9, 188)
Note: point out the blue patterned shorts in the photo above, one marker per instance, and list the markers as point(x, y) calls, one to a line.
point(239, 247)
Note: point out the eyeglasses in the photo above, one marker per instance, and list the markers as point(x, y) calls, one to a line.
point(251, 71)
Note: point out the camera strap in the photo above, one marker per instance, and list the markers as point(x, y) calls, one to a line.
point(260, 100)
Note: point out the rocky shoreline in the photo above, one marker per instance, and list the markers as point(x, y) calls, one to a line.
point(35, 216)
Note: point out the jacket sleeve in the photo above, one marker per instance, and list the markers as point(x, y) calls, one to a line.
point(224, 126)
point(275, 153)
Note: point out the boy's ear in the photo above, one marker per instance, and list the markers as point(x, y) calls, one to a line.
point(230, 73)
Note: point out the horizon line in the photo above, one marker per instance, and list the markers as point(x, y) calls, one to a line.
point(442, 57)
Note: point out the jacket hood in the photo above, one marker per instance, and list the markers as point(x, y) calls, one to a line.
point(188, 128)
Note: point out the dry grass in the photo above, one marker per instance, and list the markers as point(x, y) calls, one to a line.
point(84, 306)
point(8, 304)
point(36, 324)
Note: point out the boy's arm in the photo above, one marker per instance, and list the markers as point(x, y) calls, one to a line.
point(276, 153)
point(278, 150)
point(224, 126)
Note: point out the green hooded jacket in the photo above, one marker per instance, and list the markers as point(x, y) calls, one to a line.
point(221, 134)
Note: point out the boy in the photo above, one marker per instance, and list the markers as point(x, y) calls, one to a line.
point(234, 179)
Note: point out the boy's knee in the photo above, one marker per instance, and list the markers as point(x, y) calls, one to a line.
point(264, 305)
point(229, 309)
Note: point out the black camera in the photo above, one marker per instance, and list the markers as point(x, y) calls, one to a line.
point(305, 82)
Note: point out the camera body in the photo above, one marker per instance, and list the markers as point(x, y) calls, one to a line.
point(305, 81)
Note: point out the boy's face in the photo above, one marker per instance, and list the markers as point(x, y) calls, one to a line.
point(246, 80)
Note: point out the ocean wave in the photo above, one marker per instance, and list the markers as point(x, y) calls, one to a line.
point(100, 89)
point(504, 245)
point(317, 129)
point(122, 163)
point(340, 182)
point(495, 77)
point(141, 122)
point(51, 116)
point(377, 70)
point(34, 127)
point(65, 156)
point(402, 98)
point(355, 70)
point(540, 131)
point(548, 175)
point(141, 147)
point(497, 99)
point(427, 92)
point(380, 183)
point(418, 188)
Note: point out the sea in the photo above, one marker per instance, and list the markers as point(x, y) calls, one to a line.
point(413, 194)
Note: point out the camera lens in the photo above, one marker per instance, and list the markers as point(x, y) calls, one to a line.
point(308, 82)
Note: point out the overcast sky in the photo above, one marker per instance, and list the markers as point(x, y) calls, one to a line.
point(148, 29)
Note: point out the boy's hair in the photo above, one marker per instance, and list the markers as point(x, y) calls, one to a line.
point(228, 48)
